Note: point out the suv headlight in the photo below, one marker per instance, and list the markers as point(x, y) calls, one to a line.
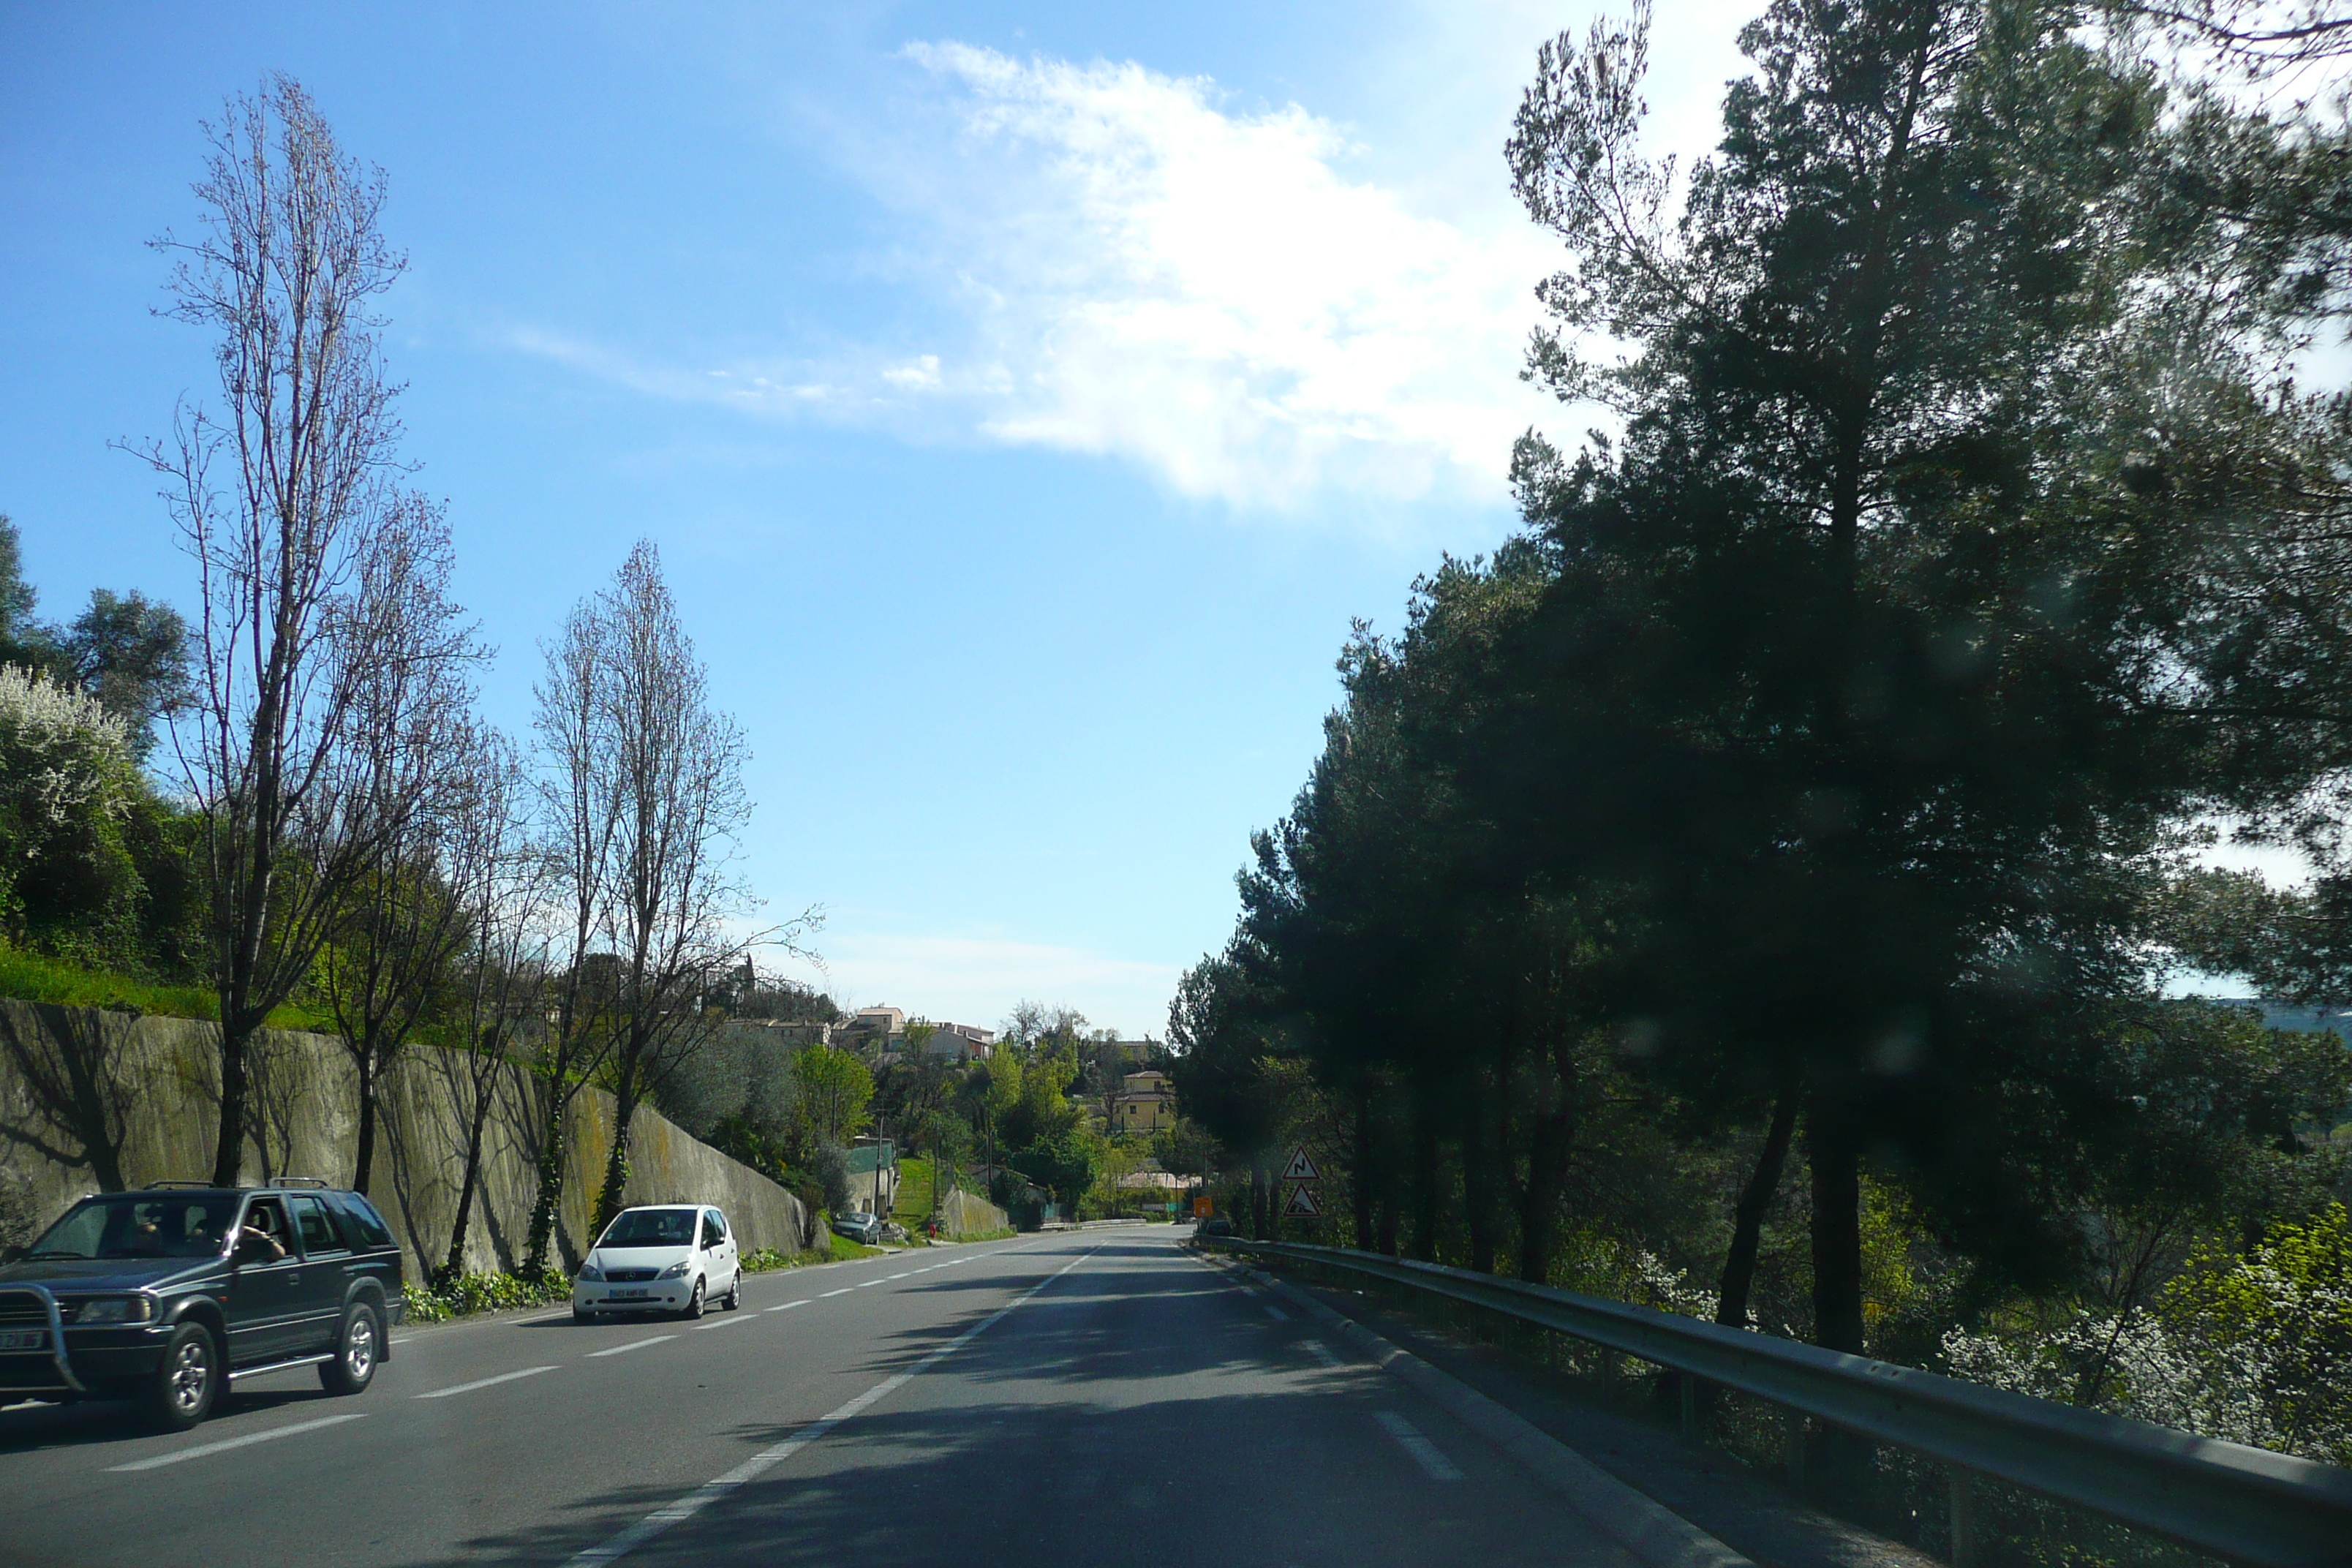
point(115, 1310)
point(675, 1271)
point(590, 1274)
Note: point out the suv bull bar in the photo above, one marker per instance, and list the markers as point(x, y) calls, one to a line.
point(57, 1324)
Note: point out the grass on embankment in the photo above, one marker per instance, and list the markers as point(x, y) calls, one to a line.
point(914, 1203)
point(36, 977)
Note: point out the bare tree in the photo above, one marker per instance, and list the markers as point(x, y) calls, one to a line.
point(677, 801)
point(502, 877)
point(408, 774)
point(278, 495)
point(578, 822)
point(643, 794)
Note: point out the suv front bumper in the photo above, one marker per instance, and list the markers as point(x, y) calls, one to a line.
point(73, 1359)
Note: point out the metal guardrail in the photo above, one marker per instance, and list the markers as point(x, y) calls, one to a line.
point(2249, 1504)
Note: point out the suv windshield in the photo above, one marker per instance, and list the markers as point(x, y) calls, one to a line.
point(651, 1227)
point(140, 1224)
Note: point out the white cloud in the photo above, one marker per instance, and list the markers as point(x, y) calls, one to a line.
point(1108, 261)
point(923, 376)
point(1210, 295)
point(976, 978)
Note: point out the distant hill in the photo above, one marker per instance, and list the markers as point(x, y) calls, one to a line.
point(2306, 1020)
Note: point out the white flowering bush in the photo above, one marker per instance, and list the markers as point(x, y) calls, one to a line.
point(66, 779)
point(2255, 1350)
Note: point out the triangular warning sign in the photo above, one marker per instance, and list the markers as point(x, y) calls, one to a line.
point(1301, 1168)
point(1301, 1205)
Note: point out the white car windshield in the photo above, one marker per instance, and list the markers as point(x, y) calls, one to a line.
point(651, 1227)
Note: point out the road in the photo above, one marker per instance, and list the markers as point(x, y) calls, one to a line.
point(1081, 1398)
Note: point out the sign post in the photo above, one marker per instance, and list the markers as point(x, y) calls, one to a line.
point(1303, 1176)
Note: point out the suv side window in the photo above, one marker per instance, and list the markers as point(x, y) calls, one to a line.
point(318, 1232)
point(360, 1222)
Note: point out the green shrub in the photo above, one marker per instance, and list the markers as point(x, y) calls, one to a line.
point(471, 1293)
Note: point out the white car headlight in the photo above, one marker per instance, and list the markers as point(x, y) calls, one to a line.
point(590, 1273)
point(115, 1310)
point(675, 1271)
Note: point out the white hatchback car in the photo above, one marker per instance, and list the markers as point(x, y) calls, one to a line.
point(674, 1258)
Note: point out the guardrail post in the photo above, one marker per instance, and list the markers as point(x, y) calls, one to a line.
point(1964, 1518)
point(1691, 1432)
point(1792, 1445)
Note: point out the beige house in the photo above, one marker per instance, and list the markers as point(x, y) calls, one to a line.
point(1145, 1104)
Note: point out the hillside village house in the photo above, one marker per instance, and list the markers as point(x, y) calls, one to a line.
point(1145, 1104)
point(960, 1043)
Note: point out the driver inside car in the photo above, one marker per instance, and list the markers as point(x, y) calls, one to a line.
point(261, 1225)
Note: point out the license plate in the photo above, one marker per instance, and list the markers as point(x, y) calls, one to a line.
point(630, 1295)
point(25, 1340)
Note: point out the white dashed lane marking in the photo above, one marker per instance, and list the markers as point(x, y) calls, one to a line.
point(1410, 1440)
point(790, 1305)
point(225, 1444)
point(634, 1345)
point(1319, 1350)
point(483, 1383)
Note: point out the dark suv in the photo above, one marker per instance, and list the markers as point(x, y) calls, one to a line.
point(168, 1295)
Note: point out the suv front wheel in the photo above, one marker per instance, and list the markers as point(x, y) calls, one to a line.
point(357, 1350)
point(183, 1388)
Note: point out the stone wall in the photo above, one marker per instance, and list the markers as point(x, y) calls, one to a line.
point(91, 1100)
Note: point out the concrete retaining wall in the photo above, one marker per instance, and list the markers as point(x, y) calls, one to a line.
point(961, 1214)
point(90, 1100)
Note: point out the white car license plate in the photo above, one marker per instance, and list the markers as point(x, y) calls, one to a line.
point(630, 1295)
point(25, 1340)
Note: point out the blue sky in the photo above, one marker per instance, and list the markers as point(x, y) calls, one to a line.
point(1023, 397)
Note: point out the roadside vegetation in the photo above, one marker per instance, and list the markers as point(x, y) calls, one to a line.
point(1761, 889)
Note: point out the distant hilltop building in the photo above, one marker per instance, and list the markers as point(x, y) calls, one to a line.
point(960, 1042)
point(877, 1024)
point(884, 1032)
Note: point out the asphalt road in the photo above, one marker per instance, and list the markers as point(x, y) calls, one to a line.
point(1082, 1398)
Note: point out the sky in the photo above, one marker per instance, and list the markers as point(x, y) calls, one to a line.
point(1025, 399)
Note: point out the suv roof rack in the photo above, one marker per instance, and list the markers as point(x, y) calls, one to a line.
point(152, 1186)
point(318, 1182)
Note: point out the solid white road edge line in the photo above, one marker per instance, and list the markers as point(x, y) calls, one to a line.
point(1410, 1440)
point(632, 1345)
point(482, 1382)
point(766, 1459)
point(225, 1444)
